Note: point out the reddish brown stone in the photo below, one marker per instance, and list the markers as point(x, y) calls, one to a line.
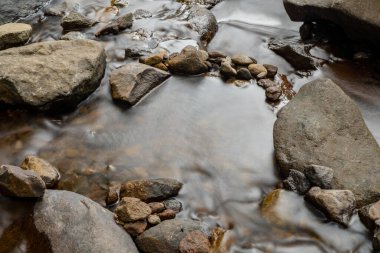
point(112, 195)
point(157, 207)
point(135, 228)
point(195, 242)
point(167, 215)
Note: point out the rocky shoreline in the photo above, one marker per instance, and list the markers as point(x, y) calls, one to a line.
point(322, 145)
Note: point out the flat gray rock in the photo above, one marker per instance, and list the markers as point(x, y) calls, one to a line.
point(359, 19)
point(72, 223)
point(130, 83)
point(12, 10)
point(54, 75)
point(322, 125)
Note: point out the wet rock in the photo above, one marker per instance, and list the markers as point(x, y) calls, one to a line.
point(271, 70)
point(76, 21)
point(216, 54)
point(75, 35)
point(322, 125)
point(130, 83)
point(266, 83)
point(190, 61)
point(153, 59)
point(337, 205)
point(204, 22)
point(370, 215)
point(11, 11)
point(151, 189)
point(16, 182)
point(295, 53)
point(166, 236)
point(195, 242)
point(131, 210)
point(226, 70)
point(359, 19)
point(173, 204)
point(297, 182)
point(154, 219)
point(243, 74)
point(273, 93)
point(157, 207)
point(242, 60)
point(26, 81)
point(135, 52)
point(69, 222)
point(140, 14)
point(258, 69)
point(14, 34)
point(116, 26)
point(112, 195)
point(167, 214)
point(306, 31)
point(136, 228)
point(48, 173)
point(161, 66)
point(320, 176)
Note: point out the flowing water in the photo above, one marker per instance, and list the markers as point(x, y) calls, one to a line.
point(214, 136)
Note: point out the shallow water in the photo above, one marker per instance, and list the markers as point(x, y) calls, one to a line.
point(213, 136)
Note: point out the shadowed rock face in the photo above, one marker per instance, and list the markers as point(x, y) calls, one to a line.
point(51, 75)
point(359, 19)
point(323, 126)
point(71, 223)
point(12, 10)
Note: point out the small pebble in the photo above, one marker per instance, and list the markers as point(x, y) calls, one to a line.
point(136, 228)
point(157, 207)
point(154, 219)
point(167, 215)
point(173, 204)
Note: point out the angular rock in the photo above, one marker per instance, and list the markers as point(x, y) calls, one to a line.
point(370, 215)
point(243, 74)
point(297, 182)
point(166, 236)
point(322, 125)
point(242, 60)
point(320, 176)
point(151, 189)
point(272, 70)
point(167, 214)
point(195, 242)
point(11, 10)
point(359, 19)
point(266, 83)
point(273, 93)
point(32, 75)
point(14, 34)
point(157, 207)
point(48, 173)
point(204, 22)
point(69, 222)
point(190, 61)
point(154, 219)
point(173, 204)
point(112, 195)
point(76, 21)
point(153, 59)
point(136, 228)
point(130, 83)
point(295, 53)
point(226, 70)
point(337, 205)
point(131, 210)
point(16, 182)
point(116, 26)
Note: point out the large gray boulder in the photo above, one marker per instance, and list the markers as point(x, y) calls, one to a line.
point(69, 223)
point(321, 125)
point(51, 75)
point(12, 10)
point(130, 83)
point(359, 19)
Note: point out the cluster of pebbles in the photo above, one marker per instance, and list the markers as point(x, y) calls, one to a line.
point(144, 203)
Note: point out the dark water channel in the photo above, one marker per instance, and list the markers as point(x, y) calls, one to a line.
point(213, 136)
